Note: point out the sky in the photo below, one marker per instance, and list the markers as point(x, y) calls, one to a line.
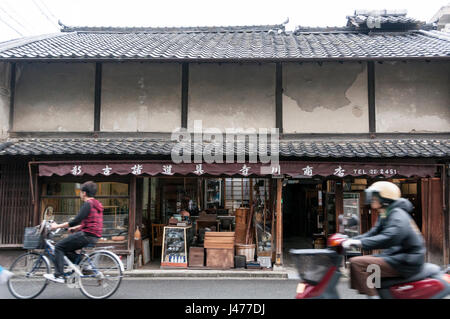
point(20, 18)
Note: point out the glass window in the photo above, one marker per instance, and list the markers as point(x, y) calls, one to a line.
point(61, 202)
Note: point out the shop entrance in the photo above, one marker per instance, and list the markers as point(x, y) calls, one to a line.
point(300, 211)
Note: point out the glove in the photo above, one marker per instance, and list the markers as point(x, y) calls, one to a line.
point(351, 242)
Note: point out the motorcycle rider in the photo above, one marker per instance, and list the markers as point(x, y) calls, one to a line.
point(395, 232)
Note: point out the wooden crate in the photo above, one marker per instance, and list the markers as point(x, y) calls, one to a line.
point(220, 240)
point(220, 258)
point(196, 257)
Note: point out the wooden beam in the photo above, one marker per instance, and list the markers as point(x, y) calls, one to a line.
point(279, 97)
point(184, 94)
point(279, 249)
point(371, 95)
point(12, 93)
point(98, 95)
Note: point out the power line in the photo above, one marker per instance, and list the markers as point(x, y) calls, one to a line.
point(19, 16)
point(45, 15)
point(14, 19)
point(11, 27)
point(48, 10)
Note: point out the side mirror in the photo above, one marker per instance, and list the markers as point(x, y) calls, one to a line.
point(349, 222)
point(352, 221)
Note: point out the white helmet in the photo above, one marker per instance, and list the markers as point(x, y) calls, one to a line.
point(387, 193)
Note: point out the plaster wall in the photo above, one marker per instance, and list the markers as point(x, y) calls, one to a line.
point(141, 97)
point(54, 97)
point(233, 95)
point(412, 97)
point(327, 98)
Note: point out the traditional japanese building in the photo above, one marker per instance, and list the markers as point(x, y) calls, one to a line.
point(353, 105)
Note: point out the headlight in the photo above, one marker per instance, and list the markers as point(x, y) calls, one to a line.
point(301, 288)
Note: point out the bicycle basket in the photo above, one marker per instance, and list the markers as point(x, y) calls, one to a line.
point(313, 264)
point(32, 238)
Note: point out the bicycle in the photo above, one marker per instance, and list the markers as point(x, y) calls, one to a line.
point(97, 274)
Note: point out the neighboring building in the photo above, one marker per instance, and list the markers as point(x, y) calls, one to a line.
point(355, 104)
point(442, 19)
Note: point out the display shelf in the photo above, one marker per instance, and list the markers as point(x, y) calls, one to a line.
point(213, 193)
point(351, 203)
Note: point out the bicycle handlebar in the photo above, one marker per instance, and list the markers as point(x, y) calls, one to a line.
point(46, 225)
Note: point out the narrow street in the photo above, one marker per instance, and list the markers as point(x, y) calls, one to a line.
point(175, 288)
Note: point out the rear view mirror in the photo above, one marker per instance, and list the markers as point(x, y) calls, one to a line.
point(352, 221)
point(348, 221)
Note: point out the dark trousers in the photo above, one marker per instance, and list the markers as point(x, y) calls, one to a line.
point(67, 247)
point(359, 273)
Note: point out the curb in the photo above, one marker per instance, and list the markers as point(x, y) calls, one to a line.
point(257, 274)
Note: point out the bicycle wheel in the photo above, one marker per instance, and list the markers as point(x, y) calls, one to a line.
point(105, 275)
point(28, 280)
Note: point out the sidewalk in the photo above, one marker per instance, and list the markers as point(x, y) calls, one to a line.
point(283, 273)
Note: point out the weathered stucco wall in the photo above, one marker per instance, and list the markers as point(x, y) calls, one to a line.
point(331, 98)
point(412, 96)
point(141, 97)
point(54, 97)
point(232, 95)
point(4, 98)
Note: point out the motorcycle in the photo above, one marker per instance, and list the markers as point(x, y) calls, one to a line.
point(319, 270)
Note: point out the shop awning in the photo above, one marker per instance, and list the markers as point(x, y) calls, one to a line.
point(295, 169)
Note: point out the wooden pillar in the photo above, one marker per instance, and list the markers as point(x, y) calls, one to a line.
point(279, 97)
point(139, 197)
point(446, 175)
point(339, 202)
point(37, 200)
point(433, 220)
point(371, 96)
point(184, 94)
point(132, 213)
point(279, 249)
point(97, 96)
point(224, 197)
point(250, 193)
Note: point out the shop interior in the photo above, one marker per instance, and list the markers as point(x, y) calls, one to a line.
point(310, 208)
point(227, 222)
point(206, 222)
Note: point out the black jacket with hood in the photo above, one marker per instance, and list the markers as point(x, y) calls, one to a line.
point(398, 234)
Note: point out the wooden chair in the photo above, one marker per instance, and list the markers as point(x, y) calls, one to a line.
point(157, 236)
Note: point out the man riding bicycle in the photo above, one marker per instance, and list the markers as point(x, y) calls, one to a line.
point(88, 223)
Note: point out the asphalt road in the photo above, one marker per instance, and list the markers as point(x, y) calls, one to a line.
point(217, 288)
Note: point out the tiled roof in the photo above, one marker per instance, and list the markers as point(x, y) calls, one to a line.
point(326, 148)
point(228, 43)
point(399, 21)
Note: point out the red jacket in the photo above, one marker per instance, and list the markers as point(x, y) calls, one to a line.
point(93, 223)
